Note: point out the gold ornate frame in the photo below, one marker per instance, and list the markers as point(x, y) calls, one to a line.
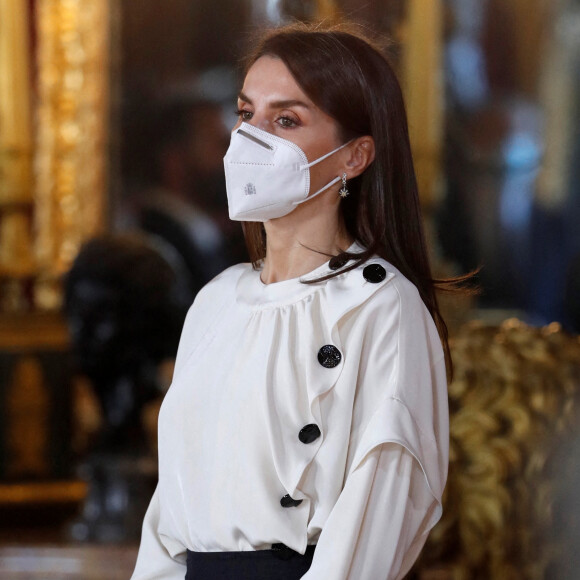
point(72, 134)
point(54, 134)
point(54, 143)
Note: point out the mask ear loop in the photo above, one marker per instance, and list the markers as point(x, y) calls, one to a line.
point(323, 189)
point(331, 183)
point(312, 163)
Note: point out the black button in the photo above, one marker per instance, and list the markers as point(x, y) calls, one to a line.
point(338, 262)
point(374, 273)
point(309, 433)
point(329, 356)
point(287, 502)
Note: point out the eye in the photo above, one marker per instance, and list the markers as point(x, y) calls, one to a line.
point(243, 114)
point(287, 122)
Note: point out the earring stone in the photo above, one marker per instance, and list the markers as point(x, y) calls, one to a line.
point(343, 192)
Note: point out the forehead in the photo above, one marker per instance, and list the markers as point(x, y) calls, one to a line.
point(270, 77)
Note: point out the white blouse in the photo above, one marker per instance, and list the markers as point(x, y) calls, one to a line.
point(302, 414)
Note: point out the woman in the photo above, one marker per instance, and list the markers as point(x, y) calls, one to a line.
point(305, 434)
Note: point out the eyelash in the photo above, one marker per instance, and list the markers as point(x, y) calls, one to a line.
point(241, 112)
point(293, 122)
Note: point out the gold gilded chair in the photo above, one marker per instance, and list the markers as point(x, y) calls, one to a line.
point(511, 508)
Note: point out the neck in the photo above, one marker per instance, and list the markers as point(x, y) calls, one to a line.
point(301, 241)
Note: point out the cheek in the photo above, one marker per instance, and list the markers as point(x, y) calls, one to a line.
point(323, 173)
point(326, 170)
point(317, 143)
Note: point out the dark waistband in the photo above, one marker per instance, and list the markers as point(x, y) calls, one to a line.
point(280, 551)
point(278, 563)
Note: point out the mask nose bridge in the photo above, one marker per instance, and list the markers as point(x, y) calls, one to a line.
point(261, 131)
point(242, 131)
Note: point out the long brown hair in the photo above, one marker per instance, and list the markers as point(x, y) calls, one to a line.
point(348, 77)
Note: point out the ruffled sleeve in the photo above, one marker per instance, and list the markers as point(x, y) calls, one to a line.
point(380, 522)
point(398, 450)
point(402, 391)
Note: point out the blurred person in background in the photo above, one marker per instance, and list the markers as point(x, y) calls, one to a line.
point(180, 196)
point(125, 305)
point(493, 150)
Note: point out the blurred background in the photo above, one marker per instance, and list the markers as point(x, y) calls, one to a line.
point(114, 119)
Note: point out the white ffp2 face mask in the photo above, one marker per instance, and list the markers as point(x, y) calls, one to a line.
point(267, 176)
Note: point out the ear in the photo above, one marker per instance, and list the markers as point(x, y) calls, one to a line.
point(360, 154)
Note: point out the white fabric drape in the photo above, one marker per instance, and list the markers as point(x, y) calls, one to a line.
point(248, 377)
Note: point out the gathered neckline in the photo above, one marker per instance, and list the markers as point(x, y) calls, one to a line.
point(251, 291)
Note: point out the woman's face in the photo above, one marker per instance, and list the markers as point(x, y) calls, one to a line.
point(272, 101)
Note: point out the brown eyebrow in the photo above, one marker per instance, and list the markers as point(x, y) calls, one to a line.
point(277, 104)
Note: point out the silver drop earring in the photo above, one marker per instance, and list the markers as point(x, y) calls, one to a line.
point(343, 192)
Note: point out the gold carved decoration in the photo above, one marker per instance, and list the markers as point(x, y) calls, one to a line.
point(46, 492)
point(15, 107)
point(510, 507)
point(28, 405)
point(16, 258)
point(72, 117)
point(422, 38)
